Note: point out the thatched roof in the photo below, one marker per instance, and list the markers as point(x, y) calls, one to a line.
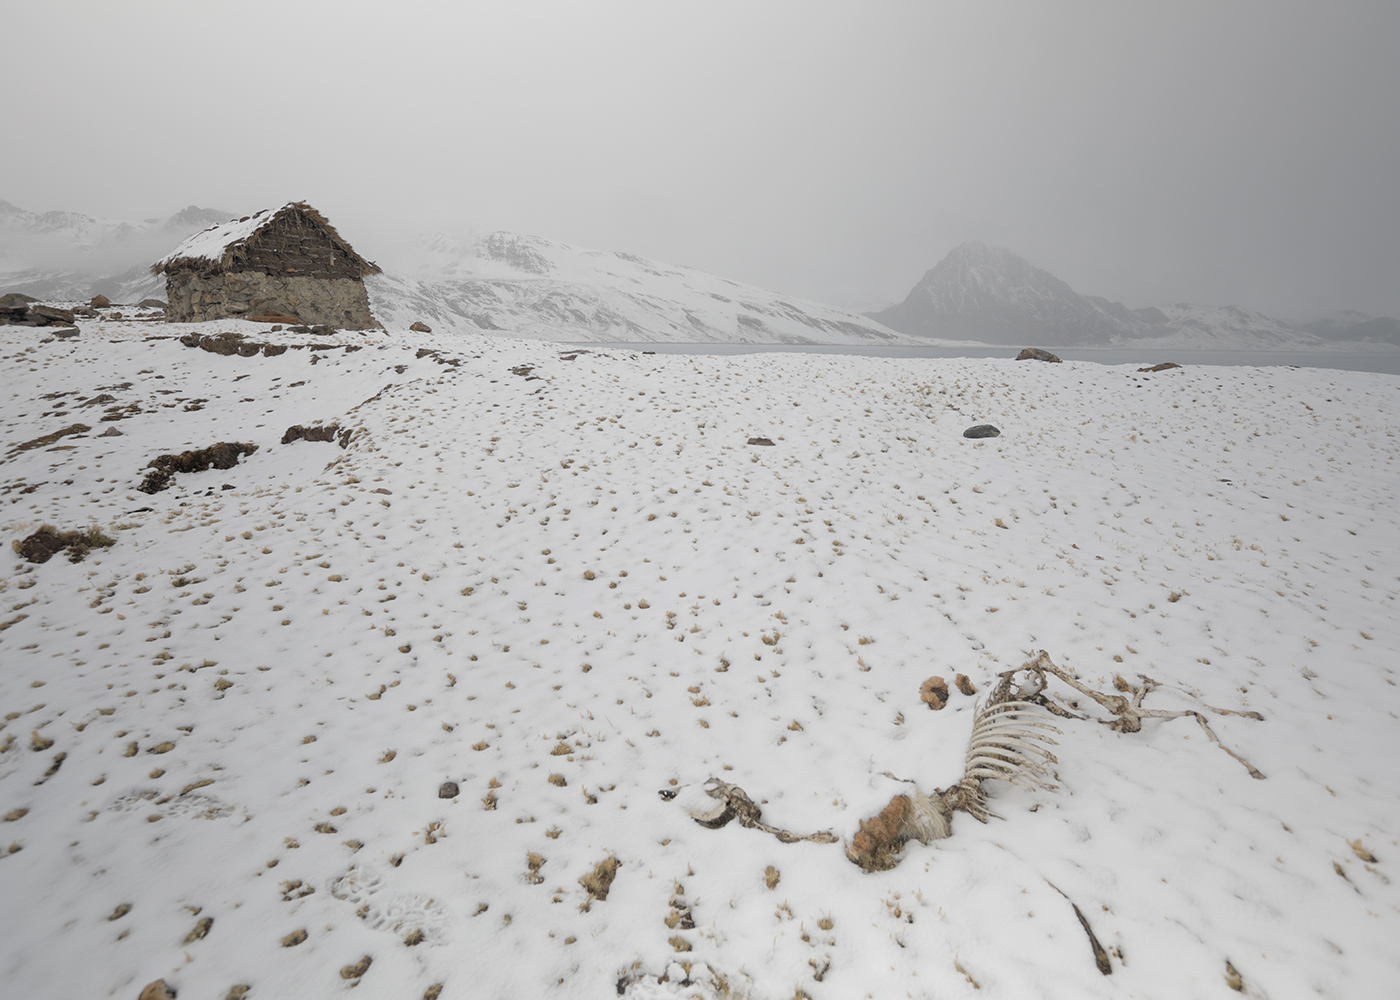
point(224, 246)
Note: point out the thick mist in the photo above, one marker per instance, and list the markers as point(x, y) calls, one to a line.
point(1237, 153)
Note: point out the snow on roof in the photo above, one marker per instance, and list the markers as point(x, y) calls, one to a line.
point(213, 243)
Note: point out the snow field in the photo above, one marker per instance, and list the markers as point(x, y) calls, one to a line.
point(564, 581)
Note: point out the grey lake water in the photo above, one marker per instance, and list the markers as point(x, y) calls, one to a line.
point(1382, 359)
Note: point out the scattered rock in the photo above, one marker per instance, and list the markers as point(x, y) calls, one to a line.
point(158, 990)
point(1036, 354)
point(965, 685)
point(934, 693)
point(761, 441)
point(15, 310)
point(297, 432)
point(99, 302)
point(110, 432)
point(151, 304)
point(64, 316)
point(418, 326)
point(295, 938)
point(982, 431)
point(237, 992)
point(1161, 368)
point(448, 790)
point(201, 930)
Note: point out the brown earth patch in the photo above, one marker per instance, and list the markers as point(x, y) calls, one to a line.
point(223, 455)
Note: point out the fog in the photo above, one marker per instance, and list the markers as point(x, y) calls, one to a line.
point(1238, 153)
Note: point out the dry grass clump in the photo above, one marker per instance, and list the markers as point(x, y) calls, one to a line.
point(771, 877)
point(358, 969)
point(599, 880)
point(48, 541)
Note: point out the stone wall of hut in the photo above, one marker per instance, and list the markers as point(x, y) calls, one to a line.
point(339, 302)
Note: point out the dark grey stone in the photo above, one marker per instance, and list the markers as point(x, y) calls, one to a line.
point(982, 431)
point(447, 790)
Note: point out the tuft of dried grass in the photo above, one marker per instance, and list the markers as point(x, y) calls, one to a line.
point(599, 880)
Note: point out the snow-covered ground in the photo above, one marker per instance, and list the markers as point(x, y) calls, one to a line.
point(566, 582)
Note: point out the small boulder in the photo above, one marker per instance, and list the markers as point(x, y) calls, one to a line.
point(1036, 354)
point(110, 432)
point(53, 314)
point(418, 326)
point(982, 431)
point(16, 300)
point(1161, 368)
point(762, 441)
point(151, 304)
point(99, 302)
point(448, 790)
point(158, 990)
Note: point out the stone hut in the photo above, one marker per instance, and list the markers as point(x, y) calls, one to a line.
point(283, 264)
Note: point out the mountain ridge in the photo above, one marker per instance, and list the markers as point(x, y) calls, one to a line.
point(533, 287)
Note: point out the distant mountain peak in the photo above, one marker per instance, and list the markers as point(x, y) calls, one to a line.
point(990, 294)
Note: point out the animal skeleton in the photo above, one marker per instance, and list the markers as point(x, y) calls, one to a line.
point(1008, 742)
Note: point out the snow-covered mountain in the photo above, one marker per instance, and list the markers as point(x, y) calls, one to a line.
point(541, 289)
point(68, 255)
point(992, 295)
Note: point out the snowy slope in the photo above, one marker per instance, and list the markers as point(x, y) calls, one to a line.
point(1195, 327)
point(541, 289)
point(565, 582)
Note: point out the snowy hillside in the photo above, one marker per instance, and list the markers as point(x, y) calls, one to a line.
point(1194, 327)
point(565, 581)
point(1348, 324)
point(541, 289)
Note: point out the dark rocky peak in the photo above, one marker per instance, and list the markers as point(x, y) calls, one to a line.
point(520, 252)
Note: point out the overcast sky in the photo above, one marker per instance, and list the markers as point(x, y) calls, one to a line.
point(1214, 152)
